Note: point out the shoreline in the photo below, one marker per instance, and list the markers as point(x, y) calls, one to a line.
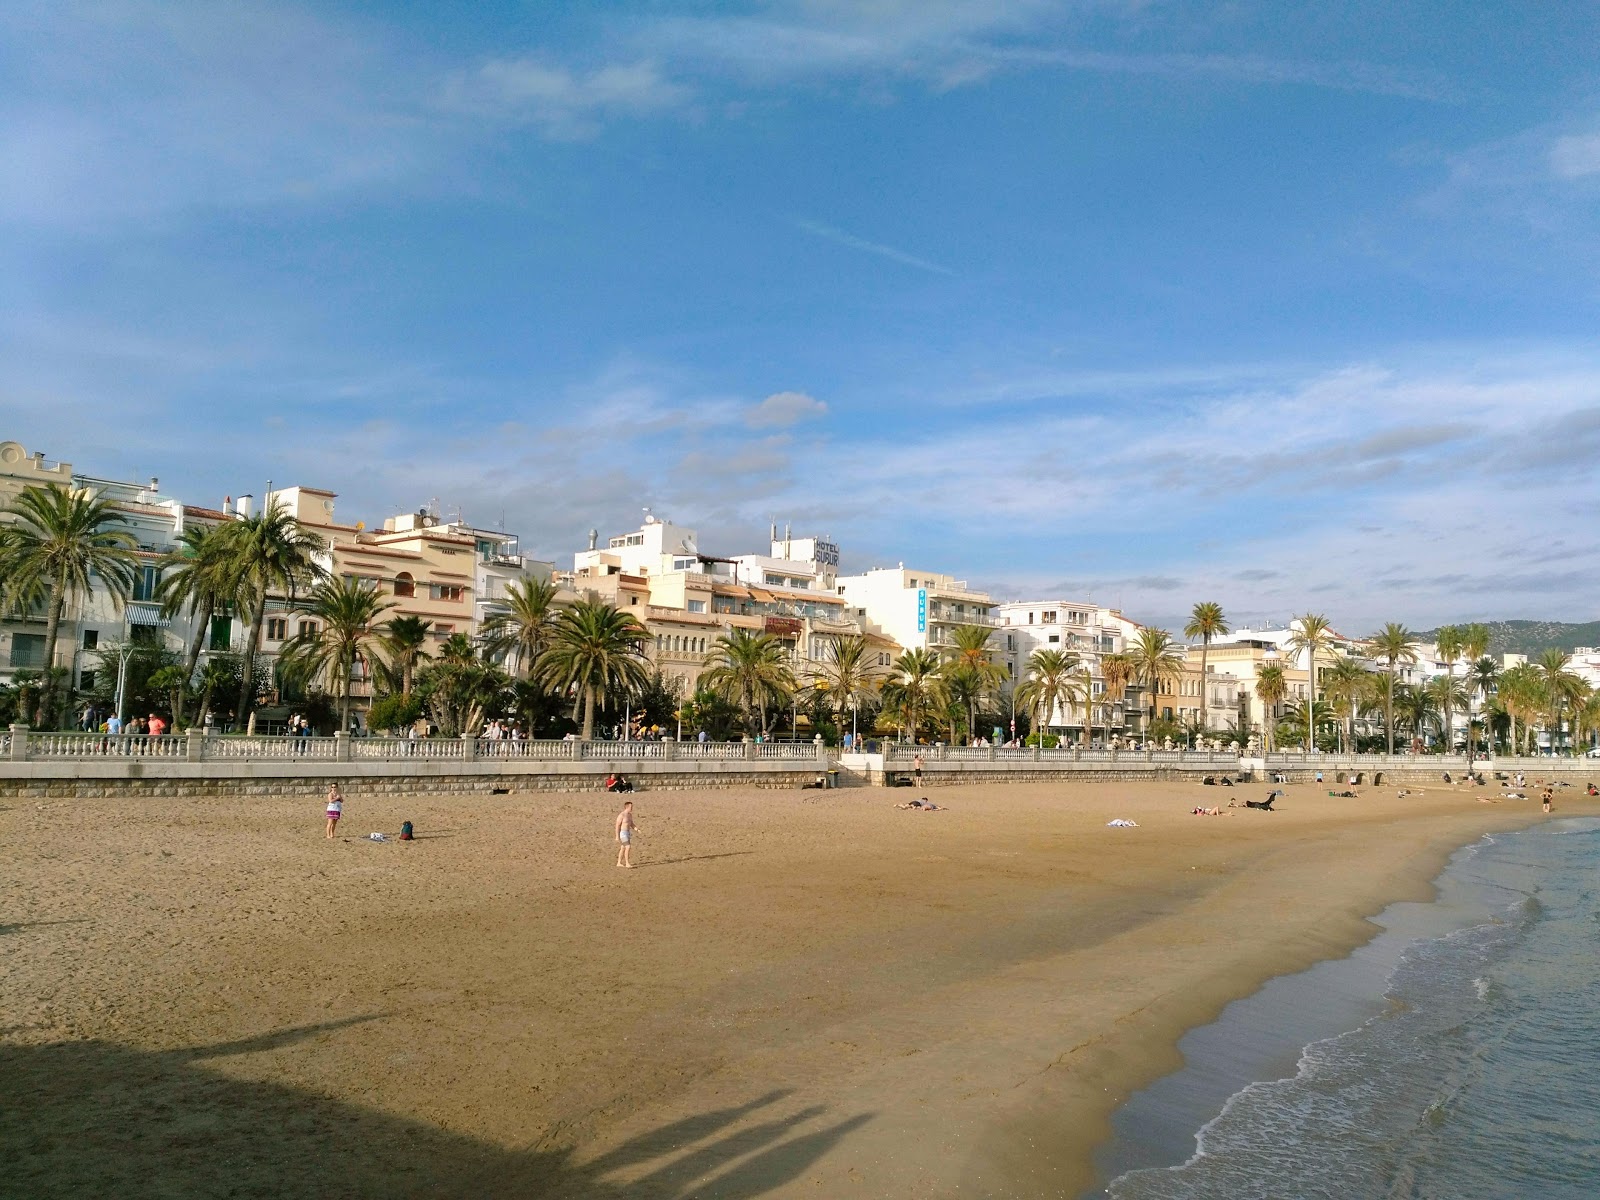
point(805, 990)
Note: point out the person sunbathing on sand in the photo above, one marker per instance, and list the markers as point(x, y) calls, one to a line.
point(1212, 812)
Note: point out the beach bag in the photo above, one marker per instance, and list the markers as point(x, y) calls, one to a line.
point(405, 831)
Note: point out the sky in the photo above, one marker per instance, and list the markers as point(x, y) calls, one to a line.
point(1139, 302)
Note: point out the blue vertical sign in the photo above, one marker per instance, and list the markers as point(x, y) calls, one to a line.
point(922, 610)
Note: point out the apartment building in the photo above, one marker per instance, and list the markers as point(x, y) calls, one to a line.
point(915, 609)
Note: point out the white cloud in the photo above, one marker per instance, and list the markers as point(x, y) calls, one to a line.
point(1576, 156)
point(783, 409)
point(565, 104)
point(839, 236)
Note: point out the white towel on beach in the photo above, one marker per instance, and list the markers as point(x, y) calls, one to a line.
point(1121, 824)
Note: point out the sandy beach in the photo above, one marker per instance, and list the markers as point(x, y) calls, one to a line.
point(795, 993)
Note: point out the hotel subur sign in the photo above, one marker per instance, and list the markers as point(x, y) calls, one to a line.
point(922, 610)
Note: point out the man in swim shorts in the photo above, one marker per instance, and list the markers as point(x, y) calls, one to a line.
point(625, 829)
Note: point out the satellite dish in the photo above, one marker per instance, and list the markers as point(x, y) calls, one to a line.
point(688, 545)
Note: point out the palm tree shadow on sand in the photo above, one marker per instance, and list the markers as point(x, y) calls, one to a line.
point(95, 1119)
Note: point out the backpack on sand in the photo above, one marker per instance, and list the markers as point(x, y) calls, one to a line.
point(405, 831)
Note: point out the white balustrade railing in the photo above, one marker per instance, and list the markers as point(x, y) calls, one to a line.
point(715, 751)
point(97, 745)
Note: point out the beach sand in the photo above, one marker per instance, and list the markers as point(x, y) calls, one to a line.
point(795, 993)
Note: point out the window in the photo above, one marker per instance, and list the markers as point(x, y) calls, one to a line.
point(144, 583)
point(91, 638)
point(277, 629)
point(698, 606)
point(1050, 618)
point(448, 592)
point(221, 633)
point(27, 650)
point(631, 599)
point(308, 629)
point(86, 680)
point(443, 631)
point(1030, 618)
point(144, 635)
point(1054, 638)
point(404, 585)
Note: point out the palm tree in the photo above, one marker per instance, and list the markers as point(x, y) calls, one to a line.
point(1205, 622)
point(1585, 717)
point(1521, 695)
point(347, 614)
point(847, 673)
point(1474, 649)
point(525, 629)
point(1416, 709)
point(753, 669)
point(1482, 675)
point(1446, 694)
point(1157, 660)
point(1395, 644)
point(269, 551)
point(596, 651)
point(1561, 689)
point(404, 645)
point(1449, 642)
point(1117, 671)
point(461, 687)
point(915, 687)
point(1049, 679)
point(1271, 687)
point(217, 673)
point(981, 675)
point(201, 581)
point(1347, 683)
point(1313, 635)
point(58, 538)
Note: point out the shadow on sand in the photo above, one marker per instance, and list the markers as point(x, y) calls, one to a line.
point(667, 862)
point(92, 1119)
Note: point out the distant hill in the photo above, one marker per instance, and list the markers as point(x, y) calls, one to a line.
point(1530, 637)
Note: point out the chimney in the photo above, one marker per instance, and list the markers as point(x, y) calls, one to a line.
point(245, 505)
point(155, 484)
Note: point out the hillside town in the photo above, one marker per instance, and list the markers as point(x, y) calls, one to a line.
point(443, 626)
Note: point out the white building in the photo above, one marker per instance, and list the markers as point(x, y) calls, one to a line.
point(917, 609)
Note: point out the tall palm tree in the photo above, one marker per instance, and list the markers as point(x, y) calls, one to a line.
point(1157, 660)
point(348, 614)
point(1474, 649)
point(1483, 673)
point(1446, 694)
point(1117, 671)
point(1050, 676)
point(1205, 622)
point(1561, 689)
point(1314, 635)
point(753, 669)
point(969, 655)
point(201, 580)
point(524, 631)
point(1585, 717)
point(404, 646)
point(1449, 641)
point(596, 651)
point(1416, 710)
point(57, 539)
point(1521, 694)
point(847, 672)
point(915, 687)
point(1348, 684)
point(1271, 687)
point(1393, 645)
point(270, 551)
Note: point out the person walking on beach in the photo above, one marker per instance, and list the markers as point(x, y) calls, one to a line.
point(625, 829)
point(335, 808)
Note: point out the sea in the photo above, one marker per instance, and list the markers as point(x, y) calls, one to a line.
point(1454, 1057)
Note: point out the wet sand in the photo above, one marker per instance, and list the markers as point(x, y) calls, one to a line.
point(795, 993)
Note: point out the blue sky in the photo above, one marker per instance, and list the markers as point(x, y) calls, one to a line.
point(1154, 302)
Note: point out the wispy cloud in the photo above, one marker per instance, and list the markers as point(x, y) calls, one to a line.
point(564, 103)
point(840, 237)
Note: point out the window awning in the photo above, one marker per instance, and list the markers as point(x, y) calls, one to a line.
point(146, 614)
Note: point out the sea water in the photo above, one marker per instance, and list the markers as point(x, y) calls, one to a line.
point(1469, 1066)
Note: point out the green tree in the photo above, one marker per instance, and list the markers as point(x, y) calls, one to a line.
point(710, 711)
point(1206, 622)
point(1393, 645)
point(348, 623)
point(1157, 660)
point(1349, 686)
point(596, 652)
point(1521, 696)
point(980, 676)
point(1562, 689)
point(1474, 650)
point(201, 580)
point(1271, 687)
point(394, 711)
point(1312, 635)
point(404, 646)
point(753, 670)
point(57, 539)
point(1446, 695)
point(1449, 642)
point(270, 551)
point(1415, 710)
point(523, 632)
point(848, 673)
point(460, 688)
point(1117, 671)
point(915, 688)
point(219, 673)
point(1050, 680)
